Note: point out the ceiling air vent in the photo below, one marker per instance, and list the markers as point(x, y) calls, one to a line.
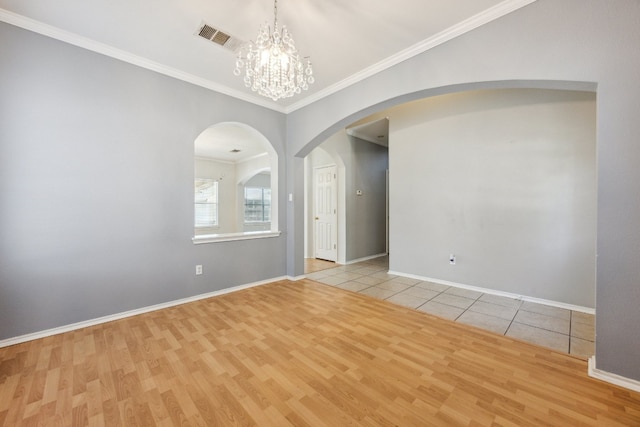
point(218, 37)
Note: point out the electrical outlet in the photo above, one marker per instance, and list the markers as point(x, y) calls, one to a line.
point(198, 270)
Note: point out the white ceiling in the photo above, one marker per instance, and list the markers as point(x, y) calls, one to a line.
point(346, 39)
point(376, 131)
point(230, 142)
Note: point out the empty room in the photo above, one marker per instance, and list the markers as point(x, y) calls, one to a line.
point(164, 245)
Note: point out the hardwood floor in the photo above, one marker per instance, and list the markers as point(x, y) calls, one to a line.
point(312, 265)
point(301, 354)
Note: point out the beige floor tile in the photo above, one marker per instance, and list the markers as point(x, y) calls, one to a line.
point(393, 286)
point(331, 280)
point(376, 263)
point(539, 336)
point(378, 292)
point(319, 275)
point(543, 321)
point(499, 300)
point(365, 271)
point(441, 310)
point(583, 348)
point(507, 313)
point(466, 293)
point(454, 300)
point(578, 317)
point(421, 292)
point(370, 280)
point(407, 300)
point(383, 275)
point(405, 280)
point(432, 286)
point(583, 331)
point(547, 310)
point(484, 321)
point(352, 286)
point(348, 275)
point(343, 268)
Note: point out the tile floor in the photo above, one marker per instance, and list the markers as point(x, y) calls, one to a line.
point(561, 329)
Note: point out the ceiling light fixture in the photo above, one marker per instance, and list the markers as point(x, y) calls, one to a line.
point(273, 67)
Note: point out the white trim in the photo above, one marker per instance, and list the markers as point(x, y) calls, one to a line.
point(367, 258)
point(210, 159)
point(615, 379)
point(94, 46)
point(110, 318)
point(450, 33)
point(551, 303)
point(296, 278)
point(232, 237)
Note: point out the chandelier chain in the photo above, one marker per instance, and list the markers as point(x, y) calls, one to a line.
point(275, 14)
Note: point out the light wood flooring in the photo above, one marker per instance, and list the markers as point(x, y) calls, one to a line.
point(558, 328)
point(299, 354)
point(313, 265)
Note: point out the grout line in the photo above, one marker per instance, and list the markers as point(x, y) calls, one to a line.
point(570, 326)
point(511, 322)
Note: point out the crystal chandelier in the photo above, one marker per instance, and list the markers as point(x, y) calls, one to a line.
point(273, 67)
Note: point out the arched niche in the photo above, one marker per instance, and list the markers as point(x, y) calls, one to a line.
point(226, 156)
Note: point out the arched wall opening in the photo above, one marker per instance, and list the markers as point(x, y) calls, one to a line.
point(230, 154)
point(588, 299)
point(442, 90)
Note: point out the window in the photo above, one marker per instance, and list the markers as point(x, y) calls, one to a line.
point(257, 204)
point(206, 202)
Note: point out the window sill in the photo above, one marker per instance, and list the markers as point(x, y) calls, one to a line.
point(230, 237)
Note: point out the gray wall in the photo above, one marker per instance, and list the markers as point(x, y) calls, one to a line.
point(366, 214)
point(96, 187)
point(551, 44)
point(503, 179)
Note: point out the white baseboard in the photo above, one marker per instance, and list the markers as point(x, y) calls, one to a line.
point(552, 303)
point(367, 258)
point(92, 322)
point(296, 278)
point(612, 378)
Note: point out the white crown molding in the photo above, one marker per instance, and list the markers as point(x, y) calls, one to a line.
point(459, 29)
point(101, 48)
point(100, 320)
point(615, 379)
point(450, 33)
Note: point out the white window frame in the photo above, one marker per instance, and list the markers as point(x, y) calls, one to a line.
point(262, 190)
point(204, 200)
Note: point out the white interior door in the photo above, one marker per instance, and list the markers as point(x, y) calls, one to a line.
point(326, 213)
